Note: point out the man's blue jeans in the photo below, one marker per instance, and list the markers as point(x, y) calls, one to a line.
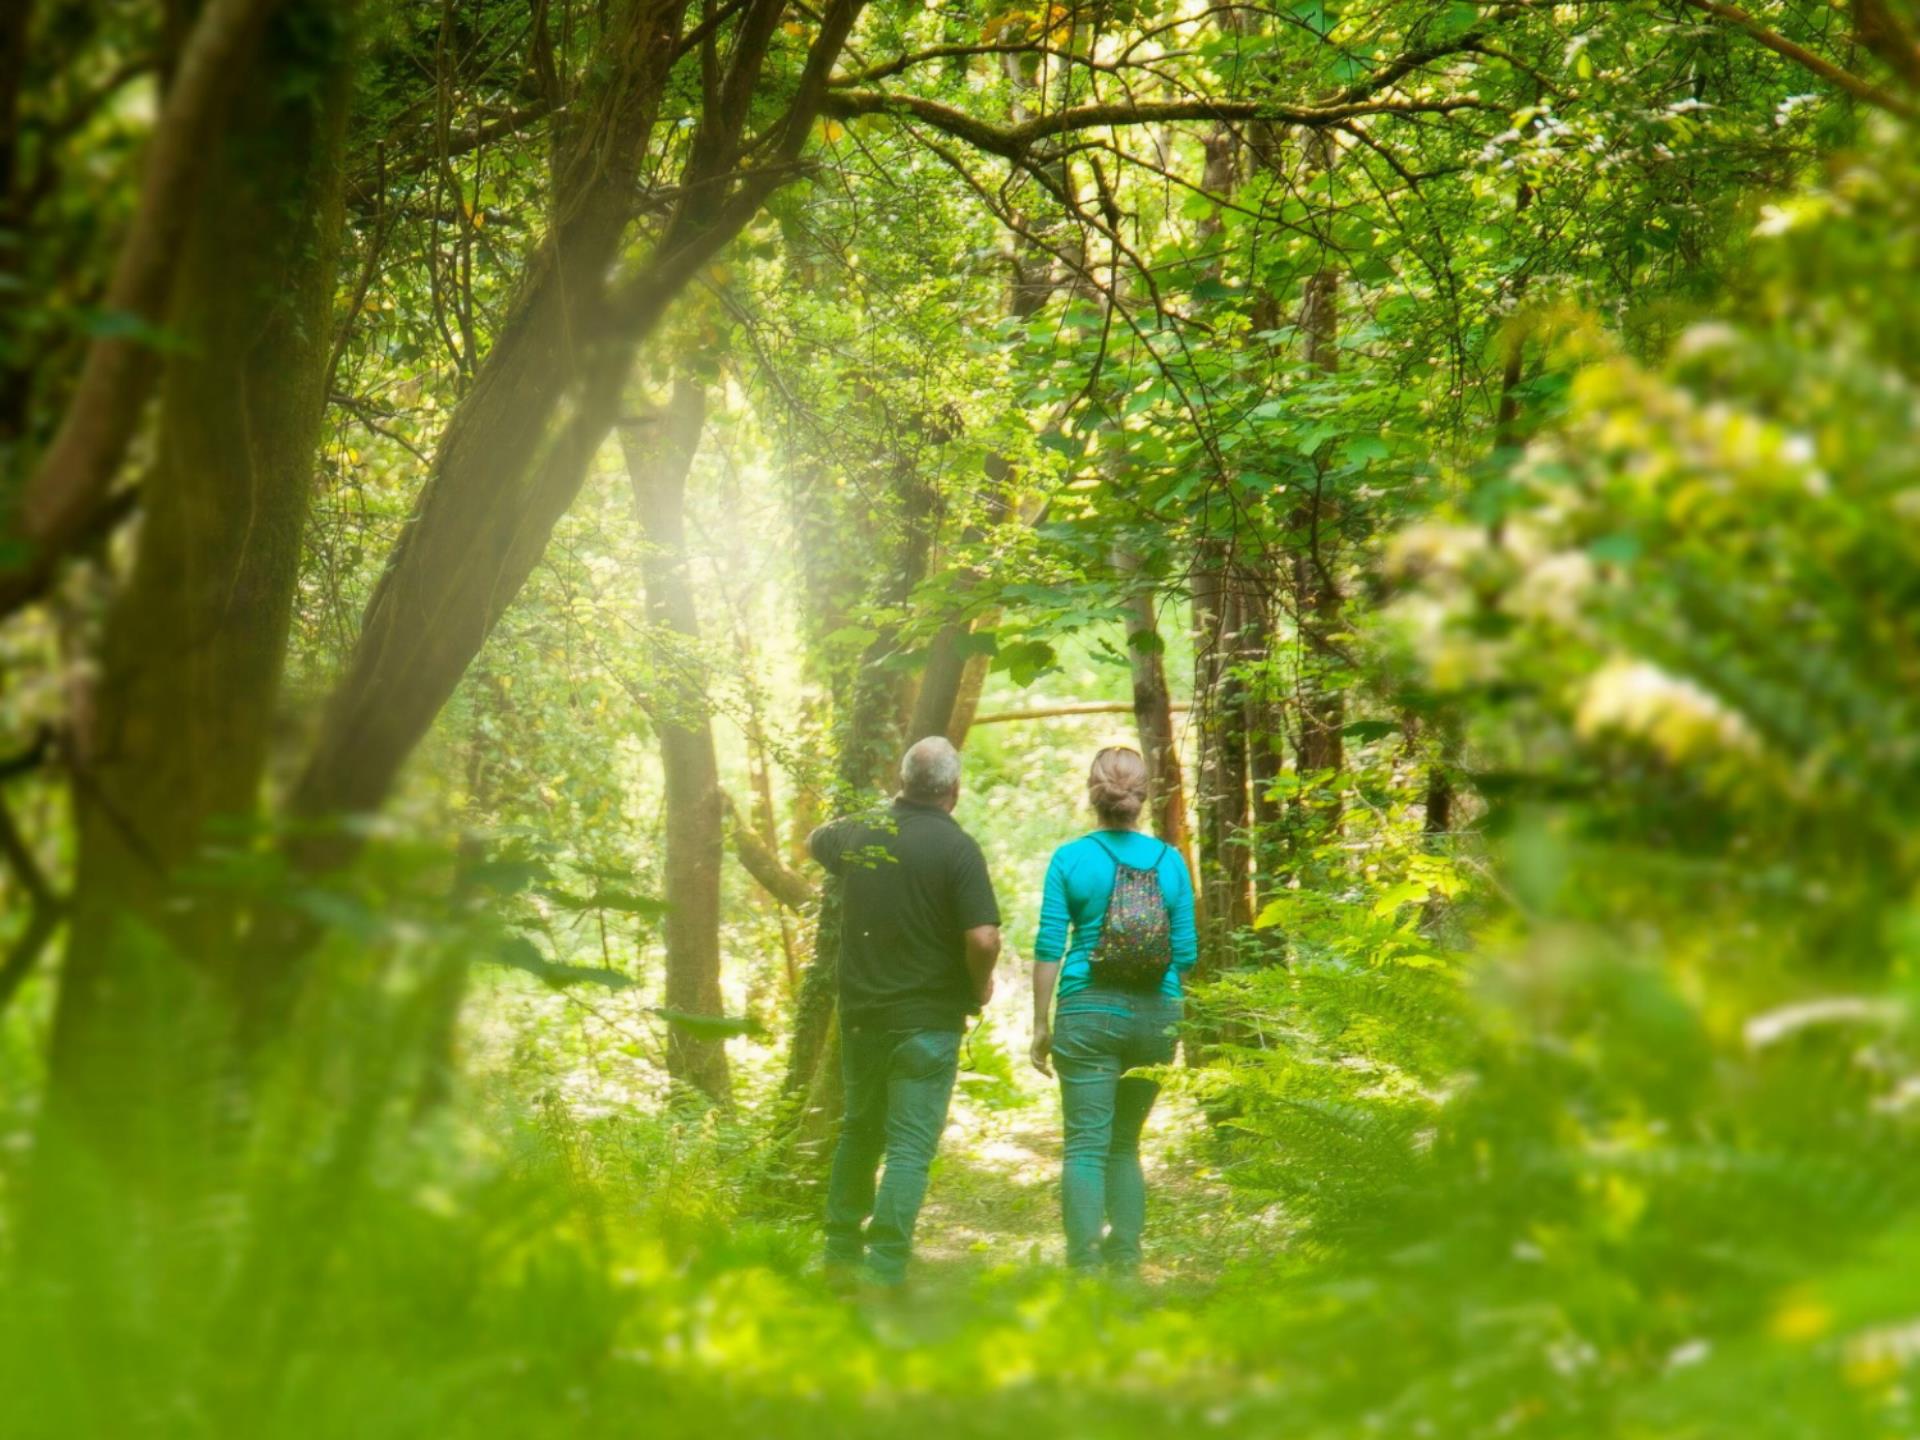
point(898, 1084)
point(1099, 1035)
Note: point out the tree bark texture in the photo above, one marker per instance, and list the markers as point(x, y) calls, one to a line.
point(1221, 802)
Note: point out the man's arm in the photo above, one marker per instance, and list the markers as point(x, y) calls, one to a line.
point(983, 953)
point(827, 843)
point(978, 912)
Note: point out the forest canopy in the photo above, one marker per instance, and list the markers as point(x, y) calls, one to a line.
point(482, 480)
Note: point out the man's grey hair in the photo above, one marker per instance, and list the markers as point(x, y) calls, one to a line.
point(930, 769)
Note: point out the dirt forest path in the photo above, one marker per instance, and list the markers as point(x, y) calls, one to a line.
point(994, 1201)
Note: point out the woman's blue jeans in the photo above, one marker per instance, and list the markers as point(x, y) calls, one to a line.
point(1099, 1035)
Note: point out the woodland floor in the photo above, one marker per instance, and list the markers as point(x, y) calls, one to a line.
point(994, 1202)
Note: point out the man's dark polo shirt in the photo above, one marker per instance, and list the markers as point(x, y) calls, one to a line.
point(914, 884)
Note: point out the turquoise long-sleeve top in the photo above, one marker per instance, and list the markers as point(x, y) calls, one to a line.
point(1074, 902)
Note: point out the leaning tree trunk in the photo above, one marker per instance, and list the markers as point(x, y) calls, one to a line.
point(658, 459)
point(521, 442)
point(503, 474)
point(194, 644)
point(938, 693)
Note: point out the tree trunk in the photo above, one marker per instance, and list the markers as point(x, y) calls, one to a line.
point(966, 705)
point(1153, 716)
point(1313, 574)
point(940, 682)
point(194, 644)
point(524, 436)
point(501, 477)
point(1226, 893)
point(72, 480)
point(1266, 748)
point(658, 460)
point(949, 694)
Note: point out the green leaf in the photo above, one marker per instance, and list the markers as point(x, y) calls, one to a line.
point(1026, 661)
point(507, 875)
point(1364, 731)
point(709, 1027)
point(625, 902)
point(1314, 436)
point(519, 953)
point(1615, 549)
point(1407, 892)
point(1363, 448)
point(1272, 913)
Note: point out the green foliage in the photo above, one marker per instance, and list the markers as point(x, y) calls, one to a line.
point(1588, 1114)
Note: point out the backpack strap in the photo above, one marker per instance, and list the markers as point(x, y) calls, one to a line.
point(1094, 835)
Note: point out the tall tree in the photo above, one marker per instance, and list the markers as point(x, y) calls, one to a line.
point(195, 643)
point(1221, 800)
point(1313, 572)
point(1153, 712)
point(659, 456)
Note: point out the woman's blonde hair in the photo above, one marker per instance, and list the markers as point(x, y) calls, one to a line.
point(1117, 785)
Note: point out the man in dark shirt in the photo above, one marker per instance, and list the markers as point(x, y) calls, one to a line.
point(920, 932)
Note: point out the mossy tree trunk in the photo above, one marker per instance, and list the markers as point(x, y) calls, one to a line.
point(194, 644)
point(869, 746)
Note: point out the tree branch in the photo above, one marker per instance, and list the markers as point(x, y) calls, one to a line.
point(66, 490)
point(1860, 89)
point(758, 860)
point(1060, 712)
point(1887, 36)
point(1014, 142)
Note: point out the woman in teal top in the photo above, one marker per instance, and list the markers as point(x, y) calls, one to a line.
point(1100, 1030)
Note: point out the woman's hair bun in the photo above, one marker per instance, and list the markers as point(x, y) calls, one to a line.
point(1117, 784)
